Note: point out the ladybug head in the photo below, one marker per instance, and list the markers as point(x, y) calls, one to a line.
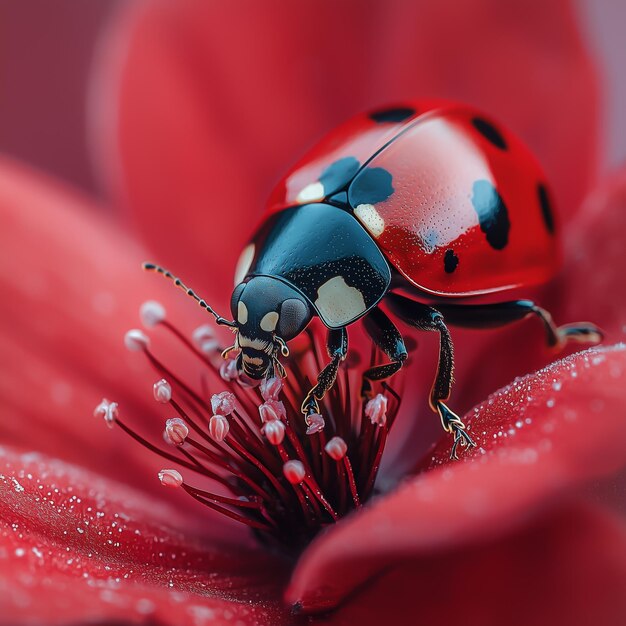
point(267, 313)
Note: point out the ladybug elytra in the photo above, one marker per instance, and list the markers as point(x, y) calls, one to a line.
point(430, 198)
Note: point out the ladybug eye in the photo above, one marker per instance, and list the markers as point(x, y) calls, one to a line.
point(294, 315)
point(234, 301)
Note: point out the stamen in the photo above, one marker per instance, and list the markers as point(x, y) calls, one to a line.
point(285, 475)
point(336, 448)
point(223, 403)
point(228, 370)
point(275, 432)
point(108, 411)
point(162, 391)
point(315, 423)
point(136, 341)
point(151, 313)
point(205, 340)
point(170, 478)
point(271, 388)
point(218, 427)
point(294, 472)
point(272, 410)
point(176, 431)
point(376, 410)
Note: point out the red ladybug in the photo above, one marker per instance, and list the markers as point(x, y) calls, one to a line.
point(431, 198)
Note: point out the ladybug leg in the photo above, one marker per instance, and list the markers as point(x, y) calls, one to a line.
point(424, 317)
point(388, 338)
point(337, 347)
point(503, 313)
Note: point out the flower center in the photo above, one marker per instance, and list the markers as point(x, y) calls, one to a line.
point(245, 450)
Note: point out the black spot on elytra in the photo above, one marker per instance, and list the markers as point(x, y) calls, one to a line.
point(338, 174)
point(450, 261)
point(493, 215)
point(489, 132)
point(372, 185)
point(392, 115)
point(546, 207)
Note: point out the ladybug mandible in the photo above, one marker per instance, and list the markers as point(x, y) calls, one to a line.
point(430, 198)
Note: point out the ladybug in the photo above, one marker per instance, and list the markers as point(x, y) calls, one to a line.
point(419, 206)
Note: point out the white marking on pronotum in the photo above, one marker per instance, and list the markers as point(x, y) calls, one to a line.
point(242, 312)
point(338, 303)
point(370, 218)
point(244, 263)
point(269, 321)
point(311, 193)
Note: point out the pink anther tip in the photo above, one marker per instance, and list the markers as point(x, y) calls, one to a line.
point(162, 391)
point(223, 403)
point(176, 431)
point(218, 427)
point(294, 472)
point(336, 448)
point(315, 423)
point(170, 478)
point(228, 370)
point(275, 432)
point(272, 410)
point(376, 410)
point(270, 388)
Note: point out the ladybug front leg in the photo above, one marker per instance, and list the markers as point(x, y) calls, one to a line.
point(424, 317)
point(337, 347)
point(388, 338)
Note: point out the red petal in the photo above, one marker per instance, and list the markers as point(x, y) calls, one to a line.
point(594, 278)
point(215, 100)
point(78, 549)
point(568, 569)
point(537, 438)
point(71, 286)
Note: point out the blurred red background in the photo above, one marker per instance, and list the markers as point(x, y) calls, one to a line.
point(47, 51)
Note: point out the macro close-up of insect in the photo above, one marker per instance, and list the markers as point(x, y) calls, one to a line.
point(312, 313)
point(429, 198)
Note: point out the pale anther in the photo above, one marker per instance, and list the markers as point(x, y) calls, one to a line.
point(336, 448)
point(294, 472)
point(315, 423)
point(108, 411)
point(176, 431)
point(162, 391)
point(151, 313)
point(136, 341)
point(271, 388)
point(170, 478)
point(218, 427)
point(376, 410)
point(223, 403)
point(275, 432)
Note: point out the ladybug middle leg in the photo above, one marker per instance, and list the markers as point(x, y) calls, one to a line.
point(388, 338)
point(424, 317)
point(337, 347)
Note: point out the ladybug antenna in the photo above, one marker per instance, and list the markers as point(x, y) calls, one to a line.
point(151, 267)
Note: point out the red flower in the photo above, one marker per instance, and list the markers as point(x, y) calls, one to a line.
point(520, 531)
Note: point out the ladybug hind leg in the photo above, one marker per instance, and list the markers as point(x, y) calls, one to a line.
point(426, 318)
point(504, 313)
